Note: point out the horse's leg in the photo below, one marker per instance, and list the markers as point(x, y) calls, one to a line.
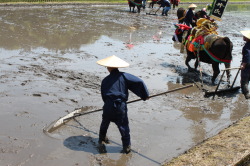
point(139, 9)
point(228, 65)
point(188, 59)
point(130, 7)
point(190, 56)
point(216, 70)
point(196, 63)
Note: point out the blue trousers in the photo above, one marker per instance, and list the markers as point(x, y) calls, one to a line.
point(165, 10)
point(245, 78)
point(121, 122)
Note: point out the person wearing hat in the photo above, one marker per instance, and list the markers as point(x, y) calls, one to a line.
point(245, 64)
point(114, 92)
point(189, 18)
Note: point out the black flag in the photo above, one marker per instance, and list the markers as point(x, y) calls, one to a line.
point(218, 8)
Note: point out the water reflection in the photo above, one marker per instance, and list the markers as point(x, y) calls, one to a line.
point(66, 28)
point(129, 43)
point(52, 29)
point(63, 29)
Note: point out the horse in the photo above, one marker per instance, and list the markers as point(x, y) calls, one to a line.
point(181, 12)
point(135, 3)
point(200, 14)
point(220, 51)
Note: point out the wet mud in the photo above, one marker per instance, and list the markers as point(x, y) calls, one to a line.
point(230, 147)
point(48, 68)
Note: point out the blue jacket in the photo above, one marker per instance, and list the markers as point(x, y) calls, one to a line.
point(114, 91)
point(165, 3)
point(246, 56)
point(189, 17)
point(246, 53)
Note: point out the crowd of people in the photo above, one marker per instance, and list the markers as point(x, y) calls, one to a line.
point(164, 4)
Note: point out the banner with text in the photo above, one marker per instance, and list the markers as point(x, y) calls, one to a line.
point(218, 8)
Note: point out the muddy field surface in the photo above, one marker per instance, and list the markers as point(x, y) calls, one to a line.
point(48, 68)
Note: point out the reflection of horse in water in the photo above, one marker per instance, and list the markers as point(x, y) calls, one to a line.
point(135, 3)
point(220, 50)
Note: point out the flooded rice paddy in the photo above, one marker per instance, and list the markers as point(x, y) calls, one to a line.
point(48, 68)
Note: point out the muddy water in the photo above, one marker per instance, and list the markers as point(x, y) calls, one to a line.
point(48, 68)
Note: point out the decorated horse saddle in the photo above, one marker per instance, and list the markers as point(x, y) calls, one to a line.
point(203, 34)
point(201, 41)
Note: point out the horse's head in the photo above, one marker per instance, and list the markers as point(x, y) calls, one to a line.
point(180, 29)
point(200, 14)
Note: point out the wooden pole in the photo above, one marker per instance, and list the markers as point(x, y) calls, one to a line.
point(61, 121)
point(173, 90)
point(219, 83)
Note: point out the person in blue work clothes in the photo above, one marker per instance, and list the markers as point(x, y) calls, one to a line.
point(245, 64)
point(166, 8)
point(189, 18)
point(114, 92)
point(165, 4)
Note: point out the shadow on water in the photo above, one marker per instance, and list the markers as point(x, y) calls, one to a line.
point(203, 82)
point(187, 75)
point(91, 145)
point(88, 144)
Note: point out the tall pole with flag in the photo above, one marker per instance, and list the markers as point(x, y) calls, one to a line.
point(218, 8)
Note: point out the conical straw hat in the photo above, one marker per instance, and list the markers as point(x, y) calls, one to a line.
point(246, 33)
point(192, 5)
point(112, 61)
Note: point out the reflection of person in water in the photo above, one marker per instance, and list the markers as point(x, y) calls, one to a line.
point(130, 44)
point(157, 37)
point(114, 91)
